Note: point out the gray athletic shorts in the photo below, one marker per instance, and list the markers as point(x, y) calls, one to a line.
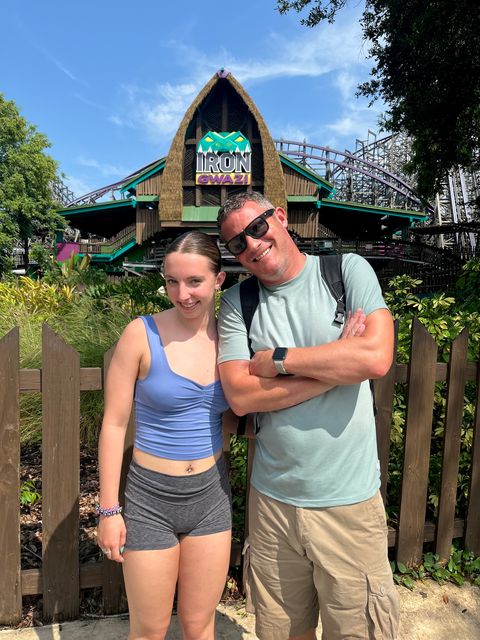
point(159, 508)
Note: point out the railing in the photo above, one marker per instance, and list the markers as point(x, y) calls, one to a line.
point(112, 245)
point(61, 381)
point(437, 268)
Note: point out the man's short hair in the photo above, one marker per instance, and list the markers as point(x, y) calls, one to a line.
point(237, 201)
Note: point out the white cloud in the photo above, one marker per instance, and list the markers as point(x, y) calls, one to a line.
point(311, 53)
point(63, 68)
point(165, 115)
point(31, 37)
point(78, 185)
point(88, 102)
point(103, 169)
point(291, 132)
point(335, 50)
point(158, 111)
point(346, 83)
point(356, 118)
point(314, 54)
point(120, 122)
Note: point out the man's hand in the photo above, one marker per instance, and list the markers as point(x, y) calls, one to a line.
point(261, 364)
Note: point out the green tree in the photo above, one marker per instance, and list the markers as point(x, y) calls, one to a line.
point(27, 209)
point(427, 70)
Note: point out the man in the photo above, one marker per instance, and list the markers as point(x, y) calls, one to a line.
point(318, 534)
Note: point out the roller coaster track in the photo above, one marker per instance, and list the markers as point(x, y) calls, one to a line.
point(113, 190)
point(61, 193)
point(374, 174)
point(356, 177)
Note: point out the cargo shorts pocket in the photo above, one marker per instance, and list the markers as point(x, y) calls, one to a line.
point(247, 578)
point(383, 608)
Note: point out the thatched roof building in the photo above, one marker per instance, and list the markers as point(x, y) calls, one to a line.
point(221, 147)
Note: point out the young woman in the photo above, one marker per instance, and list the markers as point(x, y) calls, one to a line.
point(176, 533)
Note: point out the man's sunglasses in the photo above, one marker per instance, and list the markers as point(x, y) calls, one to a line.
point(257, 228)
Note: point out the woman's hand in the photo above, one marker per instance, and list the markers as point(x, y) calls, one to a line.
point(355, 324)
point(111, 536)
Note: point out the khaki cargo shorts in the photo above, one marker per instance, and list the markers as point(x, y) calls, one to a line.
point(302, 562)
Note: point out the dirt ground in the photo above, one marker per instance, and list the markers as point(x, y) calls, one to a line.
point(440, 612)
point(430, 612)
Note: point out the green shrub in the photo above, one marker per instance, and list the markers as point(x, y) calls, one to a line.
point(238, 483)
point(444, 316)
point(29, 496)
point(461, 566)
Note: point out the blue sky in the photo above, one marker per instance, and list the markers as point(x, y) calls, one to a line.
point(109, 81)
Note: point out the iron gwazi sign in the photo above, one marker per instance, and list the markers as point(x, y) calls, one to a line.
point(224, 158)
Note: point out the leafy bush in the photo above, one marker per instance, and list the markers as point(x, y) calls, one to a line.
point(444, 316)
point(461, 566)
point(139, 296)
point(238, 483)
point(27, 296)
point(29, 495)
point(74, 272)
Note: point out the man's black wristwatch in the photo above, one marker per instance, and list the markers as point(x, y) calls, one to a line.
point(278, 356)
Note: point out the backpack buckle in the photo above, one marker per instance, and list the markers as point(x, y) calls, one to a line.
point(339, 318)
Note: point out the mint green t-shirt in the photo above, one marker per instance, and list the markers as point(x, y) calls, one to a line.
point(322, 452)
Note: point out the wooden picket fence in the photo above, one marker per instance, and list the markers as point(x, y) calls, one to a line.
point(61, 381)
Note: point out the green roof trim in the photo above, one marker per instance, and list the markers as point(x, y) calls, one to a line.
point(367, 208)
point(109, 257)
point(98, 206)
point(200, 214)
point(128, 186)
point(305, 171)
point(146, 198)
point(302, 199)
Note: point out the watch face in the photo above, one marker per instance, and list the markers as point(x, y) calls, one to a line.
point(280, 353)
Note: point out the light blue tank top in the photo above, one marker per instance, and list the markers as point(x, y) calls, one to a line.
point(176, 418)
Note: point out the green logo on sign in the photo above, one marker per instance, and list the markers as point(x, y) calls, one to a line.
point(224, 158)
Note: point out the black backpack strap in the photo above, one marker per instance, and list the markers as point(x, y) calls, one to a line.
point(372, 391)
point(249, 297)
point(331, 270)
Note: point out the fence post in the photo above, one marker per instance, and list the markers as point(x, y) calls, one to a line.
point(472, 529)
point(384, 389)
point(456, 377)
point(11, 591)
point(60, 477)
point(114, 597)
point(421, 389)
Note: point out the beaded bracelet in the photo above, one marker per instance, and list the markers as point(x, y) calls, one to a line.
point(110, 511)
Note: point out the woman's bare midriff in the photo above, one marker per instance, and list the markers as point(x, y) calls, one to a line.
point(175, 467)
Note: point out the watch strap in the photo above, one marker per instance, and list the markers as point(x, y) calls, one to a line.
point(278, 357)
point(280, 367)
